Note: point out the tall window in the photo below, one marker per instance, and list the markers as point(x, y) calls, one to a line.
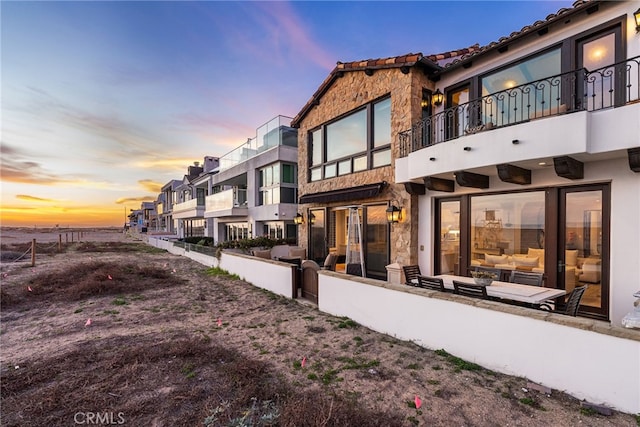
point(514, 99)
point(277, 184)
point(356, 142)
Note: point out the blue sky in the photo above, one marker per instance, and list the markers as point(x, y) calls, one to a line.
point(102, 102)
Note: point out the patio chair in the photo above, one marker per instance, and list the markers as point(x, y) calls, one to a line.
point(470, 290)
point(330, 262)
point(411, 273)
point(526, 278)
point(434, 283)
point(572, 305)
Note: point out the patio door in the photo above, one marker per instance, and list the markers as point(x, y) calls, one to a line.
point(317, 235)
point(448, 258)
point(583, 252)
point(603, 84)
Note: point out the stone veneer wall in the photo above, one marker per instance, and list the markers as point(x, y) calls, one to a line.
point(347, 93)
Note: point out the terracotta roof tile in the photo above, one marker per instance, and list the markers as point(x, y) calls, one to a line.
point(476, 49)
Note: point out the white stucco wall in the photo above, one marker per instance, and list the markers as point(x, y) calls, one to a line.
point(543, 351)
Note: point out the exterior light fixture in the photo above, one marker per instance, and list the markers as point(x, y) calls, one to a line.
point(437, 97)
point(312, 218)
point(636, 15)
point(394, 214)
point(424, 103)
point(515, 142)
point(298, 219)
point(467, 148)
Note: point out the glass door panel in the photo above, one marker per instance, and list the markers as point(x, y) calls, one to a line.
point(317, 236)
point(583, 236)
point(376, 238)
point(449, 225)
point(598, 56)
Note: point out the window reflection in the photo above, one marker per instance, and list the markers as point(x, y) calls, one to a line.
point(507, 231)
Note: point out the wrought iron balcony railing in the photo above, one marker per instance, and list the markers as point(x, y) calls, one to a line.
point(611, 86)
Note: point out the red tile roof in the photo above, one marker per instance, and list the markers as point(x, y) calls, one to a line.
point(460, 56)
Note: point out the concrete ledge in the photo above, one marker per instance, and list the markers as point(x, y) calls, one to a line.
point(591, 325)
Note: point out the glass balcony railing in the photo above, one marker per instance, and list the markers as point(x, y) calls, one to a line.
point(228, 199)
point(189, 204)
point(277, 131)
point(579, 90)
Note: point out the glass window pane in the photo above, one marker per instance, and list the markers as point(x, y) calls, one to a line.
point(347, 136)
point(360, 163)
point(330, 170)
point(316, 174)
point(288, 173)
point(287, 195)
point(344, 167)
point(268, 176)
point(316, 147)
point(508, 230)
point(449, 237)
point(381, 158)
point(382, 123)
point(596, 55)
point(276, 173)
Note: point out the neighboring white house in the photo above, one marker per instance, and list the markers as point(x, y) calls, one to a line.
point(254, 189)
point(528, 153)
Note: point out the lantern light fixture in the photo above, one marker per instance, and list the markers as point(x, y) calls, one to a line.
point(636, 15)
point(394, 214)
point(438, 98)
point(298, 219)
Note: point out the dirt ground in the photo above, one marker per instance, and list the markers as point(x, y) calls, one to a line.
point(111, 331)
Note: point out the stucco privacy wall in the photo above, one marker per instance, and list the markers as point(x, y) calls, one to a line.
point(497, 336)
point(274, 276)
point(349, 92)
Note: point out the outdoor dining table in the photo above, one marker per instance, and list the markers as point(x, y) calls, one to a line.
point(533, 295)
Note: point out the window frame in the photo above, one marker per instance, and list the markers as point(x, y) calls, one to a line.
point(352, 158)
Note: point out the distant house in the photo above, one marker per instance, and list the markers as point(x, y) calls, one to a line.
point(523, 154)
point(253, 191)
point(250, 191)
point(166, 201)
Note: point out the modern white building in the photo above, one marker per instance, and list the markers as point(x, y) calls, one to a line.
point(528, 152)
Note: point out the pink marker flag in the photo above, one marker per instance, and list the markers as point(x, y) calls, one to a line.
point(174, 270)
point(109, 276)
point(219, 322)
point(418, 402)
point(304, 361)
point(165, 264)
point(29, 289)
point(87, 323)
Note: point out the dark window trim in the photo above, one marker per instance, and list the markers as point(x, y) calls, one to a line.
point(368, 107)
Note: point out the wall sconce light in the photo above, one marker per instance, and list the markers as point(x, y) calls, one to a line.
point(636, 15)
point(515, 141)
point(424, 103)
point(312, 218)
point(438, 98)
point(298, 219)
point(433, 159)
point(467, 148)
point(394, 214)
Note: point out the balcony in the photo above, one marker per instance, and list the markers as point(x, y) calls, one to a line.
point(580, 90)
point(231, 202)
point(274, 133)
point(193, 208)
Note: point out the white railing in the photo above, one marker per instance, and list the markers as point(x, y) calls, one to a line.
point(189, 204)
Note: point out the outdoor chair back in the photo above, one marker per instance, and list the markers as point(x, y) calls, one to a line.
point(470, 290)
point(411, 273)
point(434, 283)
point(526, 278)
